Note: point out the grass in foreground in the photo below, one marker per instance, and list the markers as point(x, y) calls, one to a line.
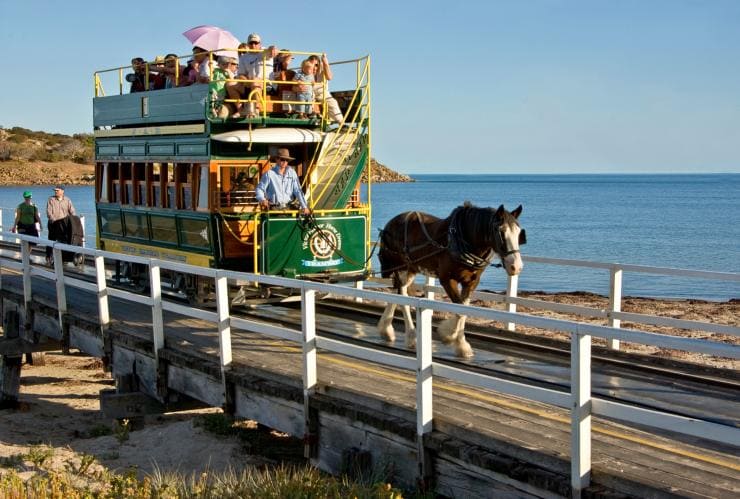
point(277, 482)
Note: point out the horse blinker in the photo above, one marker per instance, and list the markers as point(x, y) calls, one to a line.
point(522, 237)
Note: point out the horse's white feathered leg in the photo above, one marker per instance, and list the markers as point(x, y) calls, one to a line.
point(406, 280)
point(462, 347)
point(385, 324)
point(447, 330)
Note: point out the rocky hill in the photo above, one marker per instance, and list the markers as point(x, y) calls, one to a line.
point(39, 158)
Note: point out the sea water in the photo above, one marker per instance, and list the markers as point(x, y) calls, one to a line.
point(678, 221)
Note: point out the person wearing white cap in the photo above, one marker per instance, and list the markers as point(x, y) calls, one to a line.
point(59, 209)
point(254, 65)
point(279, 186)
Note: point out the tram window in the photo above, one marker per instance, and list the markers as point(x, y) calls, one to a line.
point(168, 194)
point(139, 181)
point(102, 176)
point(195, 233)
point(136, 225)
point(163, 229)
point(110, 222)
point(115, 191)
point(203, 188)
point(155, 189)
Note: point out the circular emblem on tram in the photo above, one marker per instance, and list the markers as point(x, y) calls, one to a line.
point(324, 241)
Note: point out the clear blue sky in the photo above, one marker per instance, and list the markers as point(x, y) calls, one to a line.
point(541, 86)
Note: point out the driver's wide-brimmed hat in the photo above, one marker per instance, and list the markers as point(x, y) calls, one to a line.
point(284, 154)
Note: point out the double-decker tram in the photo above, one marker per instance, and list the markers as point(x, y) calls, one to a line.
point(176, 181)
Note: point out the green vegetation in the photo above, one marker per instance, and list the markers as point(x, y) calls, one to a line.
point(21, 144)
point(78, 481)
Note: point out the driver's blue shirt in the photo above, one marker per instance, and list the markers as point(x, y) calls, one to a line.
point(280, 189)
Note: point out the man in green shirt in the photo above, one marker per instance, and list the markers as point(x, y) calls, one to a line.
point(26, 217)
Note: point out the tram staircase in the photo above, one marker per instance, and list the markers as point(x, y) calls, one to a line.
point(338, 168)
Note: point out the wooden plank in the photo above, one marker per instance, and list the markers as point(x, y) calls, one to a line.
point(10, 371)
point(13, 347)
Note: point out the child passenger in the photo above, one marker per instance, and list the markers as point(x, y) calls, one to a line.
point(225, 71)
point(304, 90)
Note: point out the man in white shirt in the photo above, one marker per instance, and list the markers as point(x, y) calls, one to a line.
point(255, 66)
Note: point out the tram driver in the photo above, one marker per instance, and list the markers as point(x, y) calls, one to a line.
point(279, 186)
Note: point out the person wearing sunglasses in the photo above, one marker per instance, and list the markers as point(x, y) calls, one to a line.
point(254, 65)
point(279, 186)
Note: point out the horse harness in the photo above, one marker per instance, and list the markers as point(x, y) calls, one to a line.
point(456, 244)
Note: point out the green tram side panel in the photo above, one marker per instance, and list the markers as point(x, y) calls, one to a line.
point(291, 249)
point(168, 106)
point(188, 232)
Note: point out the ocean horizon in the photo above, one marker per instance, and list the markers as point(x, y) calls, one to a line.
point(685, 220)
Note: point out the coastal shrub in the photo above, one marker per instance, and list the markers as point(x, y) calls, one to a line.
point(4, 151)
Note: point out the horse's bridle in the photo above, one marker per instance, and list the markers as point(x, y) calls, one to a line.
point(500, 244)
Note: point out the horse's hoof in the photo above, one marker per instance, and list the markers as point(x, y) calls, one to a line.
point(464, 351)
point(388, 334)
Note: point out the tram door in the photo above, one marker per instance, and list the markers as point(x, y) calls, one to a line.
point(235, 201)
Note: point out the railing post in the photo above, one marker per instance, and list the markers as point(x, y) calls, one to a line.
point(580, 382)
point(359, 285)
point(511, 292)
point(429, 292)
point(155, 292)
point(615, 302)
point(310, 376)
point(61, 289)
point(224, 332)
point(26, 259)
point(103, 312)
point(423, 391)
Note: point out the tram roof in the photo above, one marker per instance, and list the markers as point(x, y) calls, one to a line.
point(282, 135)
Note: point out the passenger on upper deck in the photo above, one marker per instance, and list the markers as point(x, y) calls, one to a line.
point(304, 91)
point(279, 186)
point(191, 71)
point(138, 77)
point(173, 72)
point(224, 71)
point(322, 73)
point(206, 65)
point(284, 91)
point(253, 66)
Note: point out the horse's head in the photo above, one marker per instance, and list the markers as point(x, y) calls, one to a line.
point(508, 236)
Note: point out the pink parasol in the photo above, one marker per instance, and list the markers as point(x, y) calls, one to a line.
point(213, 38)
point(193, 33)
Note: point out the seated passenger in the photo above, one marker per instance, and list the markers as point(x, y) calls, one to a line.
point(304, 91)
point(206, 65)
point(255, 66)
point(323, 74)
point(284, 91)
point(224, 71)
point(157, 80)
point(138, 77)
point(173, 73)
point(191, 72)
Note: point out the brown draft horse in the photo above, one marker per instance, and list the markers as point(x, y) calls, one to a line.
point(457, 250)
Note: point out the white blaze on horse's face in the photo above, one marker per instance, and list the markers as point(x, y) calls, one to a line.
point(513, 261)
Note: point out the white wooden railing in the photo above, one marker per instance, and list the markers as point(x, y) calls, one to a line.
point(582, 405)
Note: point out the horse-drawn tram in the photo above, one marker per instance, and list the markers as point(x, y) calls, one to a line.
point(177, 178)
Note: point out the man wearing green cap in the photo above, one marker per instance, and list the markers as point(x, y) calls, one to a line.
point(26, 217)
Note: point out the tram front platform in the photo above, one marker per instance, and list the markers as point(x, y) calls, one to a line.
point(484, 444)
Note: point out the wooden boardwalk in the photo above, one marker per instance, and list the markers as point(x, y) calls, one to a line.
point(483, 444)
